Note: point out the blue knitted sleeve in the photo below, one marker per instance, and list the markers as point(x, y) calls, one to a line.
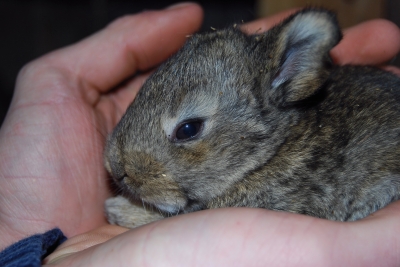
point(30, 251)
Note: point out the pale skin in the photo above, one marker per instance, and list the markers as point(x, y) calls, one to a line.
point(52, 174)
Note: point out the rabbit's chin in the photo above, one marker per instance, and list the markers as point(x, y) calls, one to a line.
point(173, 206)
point(169, 209)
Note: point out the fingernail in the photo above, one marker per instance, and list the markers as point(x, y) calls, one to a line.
point(180, 5)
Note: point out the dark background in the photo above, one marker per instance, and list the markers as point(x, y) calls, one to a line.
point(30, 28)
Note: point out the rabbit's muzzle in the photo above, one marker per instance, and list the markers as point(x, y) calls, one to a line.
point(147, 180)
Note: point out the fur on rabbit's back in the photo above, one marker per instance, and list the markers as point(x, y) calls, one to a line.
point(341, 160)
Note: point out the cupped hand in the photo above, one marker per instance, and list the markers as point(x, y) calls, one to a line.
point(51, 171)
point(52, 140)
point(254, 237)
point(241, 237)
point(373, 42)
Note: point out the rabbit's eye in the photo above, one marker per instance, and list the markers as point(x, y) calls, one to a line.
point(188, 130)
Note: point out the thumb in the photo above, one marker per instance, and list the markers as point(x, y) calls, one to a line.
point(84, 241)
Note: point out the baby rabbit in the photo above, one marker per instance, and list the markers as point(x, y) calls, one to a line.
point(261, 121)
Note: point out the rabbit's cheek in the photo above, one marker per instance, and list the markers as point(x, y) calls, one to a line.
point(194, 155)
point(132, 184)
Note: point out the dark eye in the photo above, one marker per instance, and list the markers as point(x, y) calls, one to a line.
point(188, 130)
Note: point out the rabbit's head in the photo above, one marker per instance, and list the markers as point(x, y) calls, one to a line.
point(218, 110)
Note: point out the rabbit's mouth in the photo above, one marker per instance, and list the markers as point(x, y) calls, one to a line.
point(164, 194)
point(168, 201)
point(168, 209)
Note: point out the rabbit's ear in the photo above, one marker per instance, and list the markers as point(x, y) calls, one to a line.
point(301, 55)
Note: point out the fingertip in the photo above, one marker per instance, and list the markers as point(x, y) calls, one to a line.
point(179, 21)
point(392, 69)
point(192, 10)
point(373, 42)
point(84, 241)
point(387, 29)
point(170, 26)
point(389, 33)
point(388, 213)
point(131, 43)
point(194, 7)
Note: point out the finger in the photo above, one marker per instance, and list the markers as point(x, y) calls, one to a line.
point(131, 43)
point(390, 212)
point(376, 237)
point(373, 42)
point(265, 24)
point(223, 237)
point(127, 92)
point(119, 100)
point(392, 69)
point(84, 241)
point(240, 237)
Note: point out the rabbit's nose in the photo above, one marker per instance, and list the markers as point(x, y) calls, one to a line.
point(143, 167)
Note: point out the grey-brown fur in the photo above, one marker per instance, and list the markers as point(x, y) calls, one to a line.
point(284, 129)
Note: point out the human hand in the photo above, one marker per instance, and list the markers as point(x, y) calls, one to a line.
point(50, 162)
point(241, 237)
point(373, 42)
point(52, 140)
point(255, 237)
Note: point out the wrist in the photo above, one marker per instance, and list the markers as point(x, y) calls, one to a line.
point(31, 250)
point(13, 230)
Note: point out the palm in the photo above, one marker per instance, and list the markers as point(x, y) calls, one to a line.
point(65, 149)
point(51, 143)
point(65, 153)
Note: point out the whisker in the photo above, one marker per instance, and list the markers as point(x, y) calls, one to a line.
point(144, 206)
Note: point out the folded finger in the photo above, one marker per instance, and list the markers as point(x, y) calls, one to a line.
point(131, 43)
point(373, 42)
point(84, 241)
